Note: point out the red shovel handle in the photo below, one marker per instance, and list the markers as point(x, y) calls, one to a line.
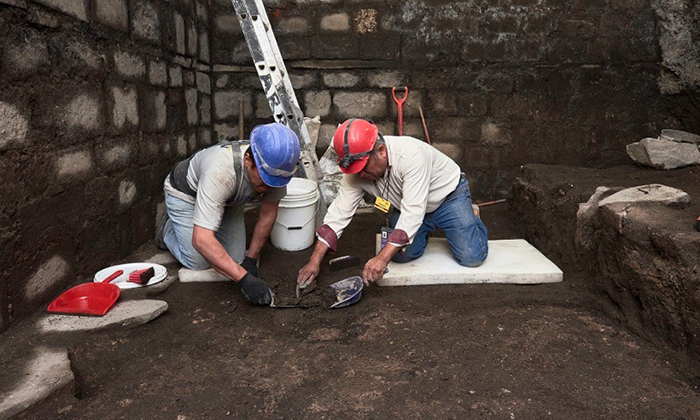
point(405, 95)
point(113, 276)
point(399, 105)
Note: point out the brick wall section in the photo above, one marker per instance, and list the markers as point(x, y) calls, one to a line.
point(98, 99)
point(501, 83)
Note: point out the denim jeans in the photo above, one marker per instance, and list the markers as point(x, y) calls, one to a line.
point(466, 233)
point(177, 233)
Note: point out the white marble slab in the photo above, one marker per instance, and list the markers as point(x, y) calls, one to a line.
point(509, 261)
point(200, 276)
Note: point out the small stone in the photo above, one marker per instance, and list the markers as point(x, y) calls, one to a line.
point(204, 47)
point(157, 74)
point(342, 80)
point(203, 83)
point(317, 103)
point(227, 24)
point(181, 145)
point(129, 65)
point(46, 277)
point(113, 13)
point(127, 192)
point(179, 33)
point(494, 135)
point(25, 58)
point(144, 22)
point(74, 8)
point(191, 38)
point(74, 163)
point(125, 108)
point(117, 155)
point(337, 22)
point(83, 111)
point(175, 73)
point(13, 127)
point(205, 110)
point(360, 104)
point(294, 25)
point(191, 101)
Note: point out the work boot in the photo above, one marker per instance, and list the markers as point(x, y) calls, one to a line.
point(161, 220)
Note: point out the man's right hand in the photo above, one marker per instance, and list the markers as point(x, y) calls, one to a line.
point(255, 290)
point(308, 273)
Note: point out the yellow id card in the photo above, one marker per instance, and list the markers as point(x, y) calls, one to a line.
point(382, 205)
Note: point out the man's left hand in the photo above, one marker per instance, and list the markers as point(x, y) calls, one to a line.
point(374, 269)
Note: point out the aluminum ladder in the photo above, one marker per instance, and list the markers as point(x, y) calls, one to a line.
point(275, 81)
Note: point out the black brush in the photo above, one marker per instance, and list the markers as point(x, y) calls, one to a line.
point(341, 263)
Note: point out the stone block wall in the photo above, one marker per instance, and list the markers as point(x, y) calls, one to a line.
point(98, 99)
point(501, 83)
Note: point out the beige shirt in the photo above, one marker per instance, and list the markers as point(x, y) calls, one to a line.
point(212, 176)
point(416, 182)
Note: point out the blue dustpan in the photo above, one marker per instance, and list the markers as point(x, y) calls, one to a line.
point(347, 291)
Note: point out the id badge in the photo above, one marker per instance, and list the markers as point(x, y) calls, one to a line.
point(382, 205)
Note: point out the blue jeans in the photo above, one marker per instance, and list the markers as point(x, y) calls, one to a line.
point(177, 233)
point(466, 233)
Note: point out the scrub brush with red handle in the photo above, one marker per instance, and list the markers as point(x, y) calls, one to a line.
point(142, 277)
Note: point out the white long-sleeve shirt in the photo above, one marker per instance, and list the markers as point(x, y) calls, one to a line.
point(416, 182)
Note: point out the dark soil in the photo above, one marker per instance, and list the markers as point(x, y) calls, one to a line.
point(502, 351)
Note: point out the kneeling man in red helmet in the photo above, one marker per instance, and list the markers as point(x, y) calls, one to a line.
point(205, 197)
point(424, 189)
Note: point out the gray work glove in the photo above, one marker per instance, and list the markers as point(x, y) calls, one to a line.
point(250, 266)
point(255, 290)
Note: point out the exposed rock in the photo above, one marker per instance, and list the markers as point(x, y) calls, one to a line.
point(680, 136)
point(38, 373)
point(652, 193)
point(124, 314)
point(663, 154)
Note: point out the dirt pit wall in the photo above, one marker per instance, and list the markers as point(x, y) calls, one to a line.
point(641, 257)
point(501, 84)
point(97, 100)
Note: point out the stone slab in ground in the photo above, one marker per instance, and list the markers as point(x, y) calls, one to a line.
point(200, 276)
point(509, 261)
point(162, 258)
point(124, 314)
point(31, 375)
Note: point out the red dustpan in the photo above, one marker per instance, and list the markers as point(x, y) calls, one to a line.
point(89, 298)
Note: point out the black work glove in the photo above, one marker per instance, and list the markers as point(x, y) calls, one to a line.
point(250, 266)
point(255, 290)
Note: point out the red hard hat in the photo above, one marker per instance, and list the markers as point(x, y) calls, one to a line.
point(353, 142)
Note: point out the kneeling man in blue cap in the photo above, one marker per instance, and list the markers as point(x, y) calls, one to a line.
point(205, 197)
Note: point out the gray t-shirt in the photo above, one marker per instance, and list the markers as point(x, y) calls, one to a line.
point(212, 176)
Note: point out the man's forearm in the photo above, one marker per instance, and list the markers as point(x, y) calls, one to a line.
point(215, 254)
point(319, 252)
point(388, 252)
point(266, 221)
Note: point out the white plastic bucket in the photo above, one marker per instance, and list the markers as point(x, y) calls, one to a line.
point(296, 217)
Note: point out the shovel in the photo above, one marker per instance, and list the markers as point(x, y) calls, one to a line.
point(88, 298)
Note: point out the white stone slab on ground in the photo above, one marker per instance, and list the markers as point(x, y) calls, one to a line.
point(124, 314)
point(200, 276)
point(510, 261)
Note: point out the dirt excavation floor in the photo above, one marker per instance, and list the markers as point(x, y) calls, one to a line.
point(501, 351)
